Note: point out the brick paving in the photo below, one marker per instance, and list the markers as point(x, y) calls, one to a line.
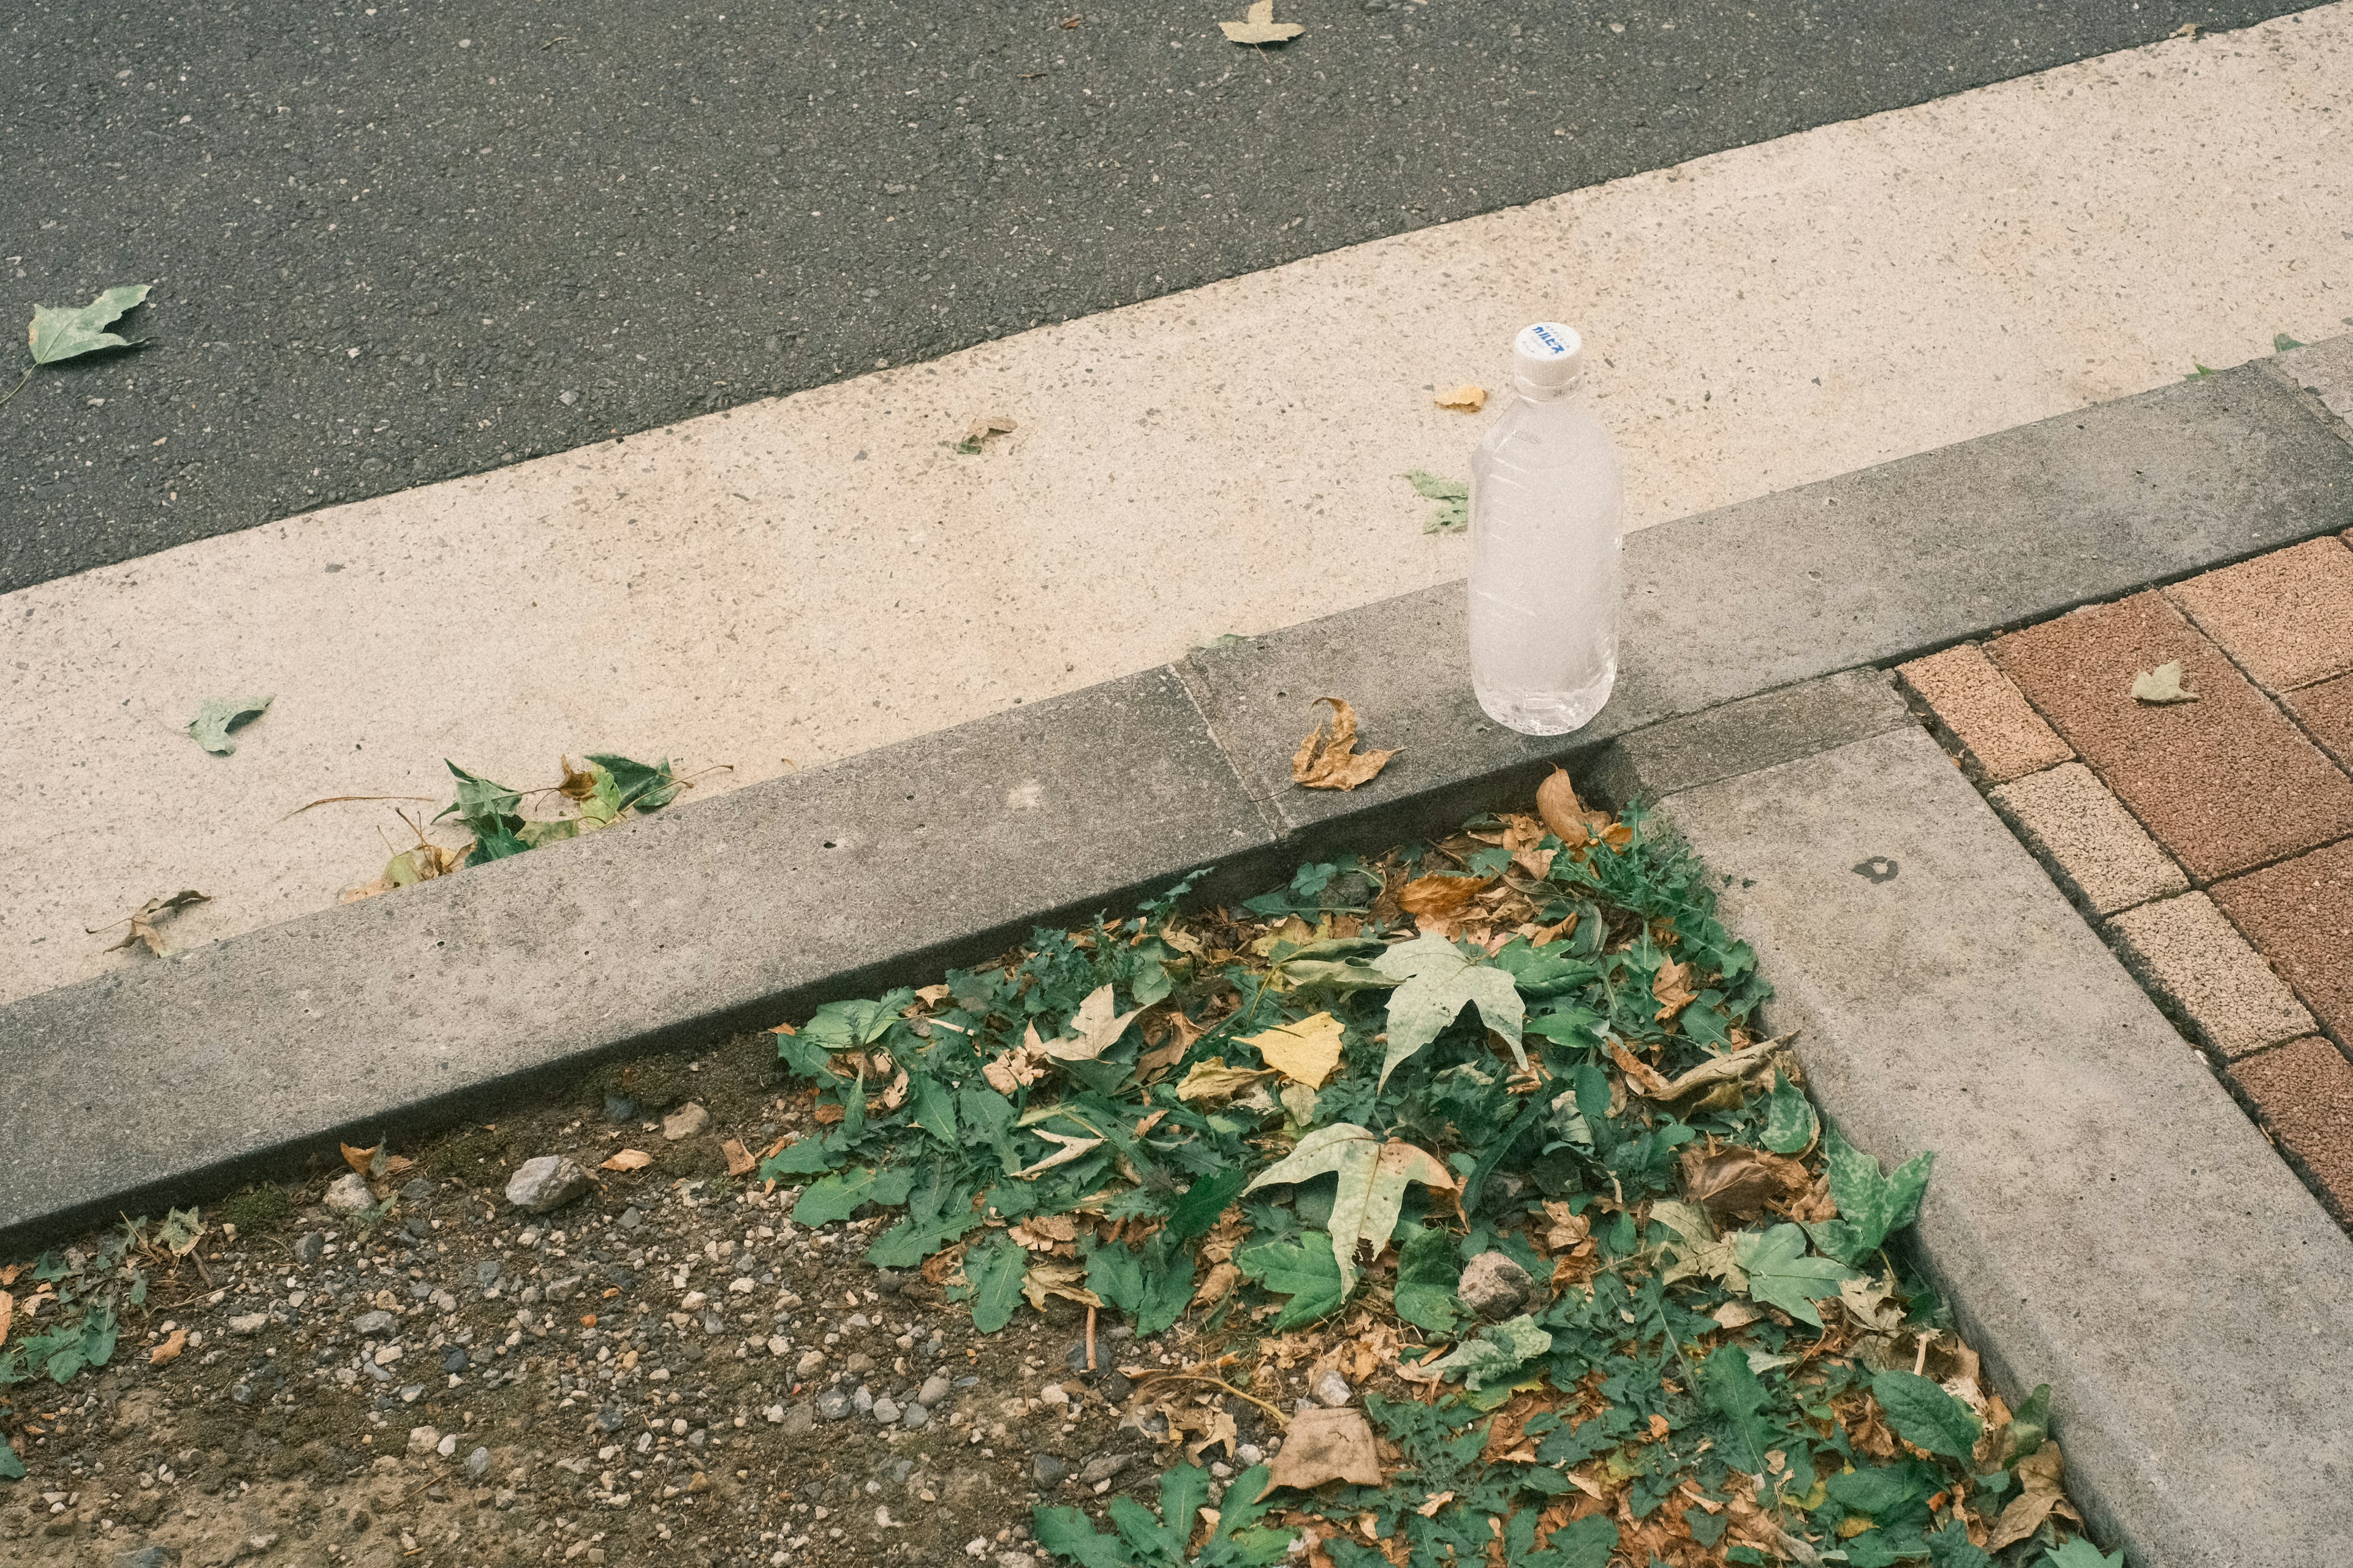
point(2227, 783)
point(2245, 790)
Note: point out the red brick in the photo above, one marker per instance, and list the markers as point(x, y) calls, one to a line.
point(2304, 1093)
point(2225, 783)
point(2325, 711)
point(2286, 617)
point(2299, 914)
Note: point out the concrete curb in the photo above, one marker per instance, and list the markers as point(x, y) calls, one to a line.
point(124, 1090)
point(2102, 1216)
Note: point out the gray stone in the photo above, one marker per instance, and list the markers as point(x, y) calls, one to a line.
point(418, 1190)
point(373, 1322)
point(1331, 1389)
point(309, 1246)
point(478, 1464)
point(1863, 569)
point(348, 1194)
point(1741, 737)
point(810, 1364)
point(1103, 1467)
point(1047, 1470)
point(915, 1415)
point(799, 1420)
point(154, 1556)
point(941, 849)
point(2102, 1216)
point(935, 1390)
point(1493, 1287)
point(547, 1182)
point(619, 1109)
point(861, 1399)
point(885, 1410)
point(833, 1405)
point(684, 1122)
point(455, 1359)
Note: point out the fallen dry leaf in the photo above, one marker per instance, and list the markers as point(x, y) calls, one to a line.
point(8, 1314)
point(1563, 1230)
point(170, 1349)
point(1096, 1027)
point(2038, 1475)
point(1332, 763)
point(1326, 1445)
point(1304, 1052)
point(579, 783)
point(1439, 895)
point(740, 1160)
point(1261, 27)
point(142, 919)
point(1647, 1081)
point(1556, 803)
point(1071, 1148)
point(1213, 1080)
point(982, 428)
point(630, 1160)
point(1470, 397)
point(1044, 1279)
point(1039, 1232)
point(2158, 686)
point(1736, 1184)
point(374, 1163)
point(1433, 1503)
point(1672, 987)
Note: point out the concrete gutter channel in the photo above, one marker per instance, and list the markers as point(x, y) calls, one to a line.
point(2105, 1220)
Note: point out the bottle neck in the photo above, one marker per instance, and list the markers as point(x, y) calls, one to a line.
point(1531, 393)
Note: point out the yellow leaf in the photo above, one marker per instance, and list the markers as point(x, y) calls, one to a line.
point(1306, 1052)
point(628, 1159)
point(1470, 396)
point(1261, 27)
point(1213, 1080)
point(8, 1312)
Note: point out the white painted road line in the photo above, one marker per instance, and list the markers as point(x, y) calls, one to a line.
point(813, 576)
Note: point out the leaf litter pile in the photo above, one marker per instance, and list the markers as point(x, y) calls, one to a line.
point(1484, 1135)
point(1436, 1208)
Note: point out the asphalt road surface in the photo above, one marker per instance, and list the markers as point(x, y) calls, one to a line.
point(400, 243)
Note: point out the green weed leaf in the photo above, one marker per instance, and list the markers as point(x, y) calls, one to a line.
point(995, 1271)
point(838, 1196)
point(1790, 1124)
point(1427, 1272)
point(1870, 1206)
point(1305, 1269)
point(1925, 1415)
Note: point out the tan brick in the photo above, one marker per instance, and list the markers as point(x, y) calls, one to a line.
point(2004, 737)
point(2302, 1093)
point(2100, 855)
point(2286, 617)
point(2185, 950)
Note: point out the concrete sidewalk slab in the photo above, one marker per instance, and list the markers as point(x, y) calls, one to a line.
point(2101, 1216)
point(2225, 782)
point(119, 1092)
point(815, 577)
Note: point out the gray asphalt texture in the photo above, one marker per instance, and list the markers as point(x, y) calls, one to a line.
point(402, 243)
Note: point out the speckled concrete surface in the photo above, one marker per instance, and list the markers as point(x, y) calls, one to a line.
point(1997, 729)
point(2087, 839)
point(2185, 951)
point(813, 576)
point(2286, 618)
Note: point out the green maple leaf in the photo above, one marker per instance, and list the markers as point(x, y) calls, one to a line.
point(220, 715)
point(1304, 1269)
point(1373, 1177)
point(1497, 1354)
point(1925, 1415)
point(2079, 1553)
point(1436, 979)
point(1454, 514)
point(65, 333)
point(1870, 1206)
point(1426, 1275)
point(1781, 1275)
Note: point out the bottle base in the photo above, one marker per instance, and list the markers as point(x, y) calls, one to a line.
point(1549, 712)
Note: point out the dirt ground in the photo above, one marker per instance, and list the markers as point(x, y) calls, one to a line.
point(667, 1370)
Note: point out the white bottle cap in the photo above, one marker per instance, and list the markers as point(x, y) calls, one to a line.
point(1547, 356)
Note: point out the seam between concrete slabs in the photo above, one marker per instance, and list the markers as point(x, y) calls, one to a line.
point(1962, 1005)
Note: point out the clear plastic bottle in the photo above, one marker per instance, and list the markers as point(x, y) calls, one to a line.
point(1544, 492)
